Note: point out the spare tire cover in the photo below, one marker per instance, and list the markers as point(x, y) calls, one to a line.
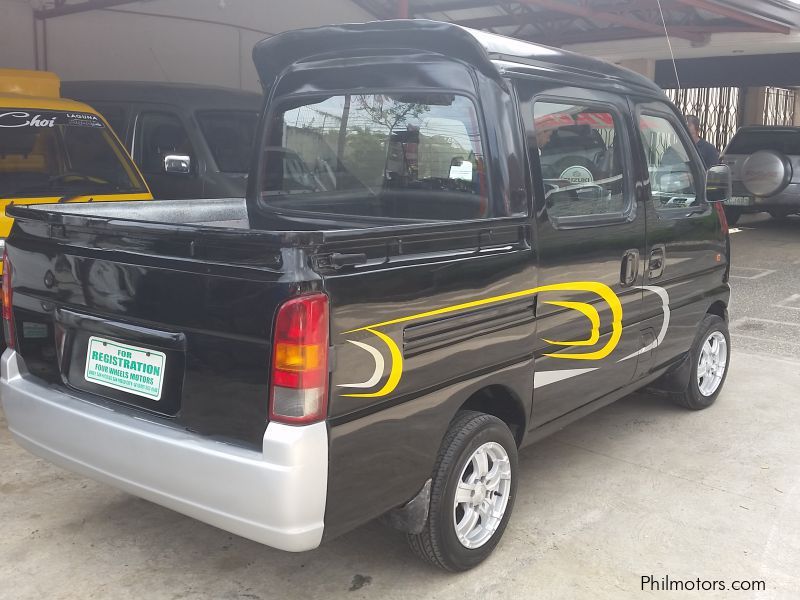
point(766, 173)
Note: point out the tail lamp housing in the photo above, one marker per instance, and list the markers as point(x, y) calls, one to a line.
point(7, 300)
point(299, 375)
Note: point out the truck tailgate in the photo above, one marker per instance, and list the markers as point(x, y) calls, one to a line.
point(169, 320)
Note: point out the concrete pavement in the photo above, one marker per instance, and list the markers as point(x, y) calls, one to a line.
point(639, 488)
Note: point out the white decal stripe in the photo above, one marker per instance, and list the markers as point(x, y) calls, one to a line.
point(376, 376)
point(662, 293)
point(543, 378)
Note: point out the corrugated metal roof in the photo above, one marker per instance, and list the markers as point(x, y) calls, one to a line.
point(562, 22)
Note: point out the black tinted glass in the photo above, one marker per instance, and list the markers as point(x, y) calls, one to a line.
point(162, 134)
point(229, 135)
point(406, 156)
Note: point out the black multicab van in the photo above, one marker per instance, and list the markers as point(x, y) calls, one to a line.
point(378, 332)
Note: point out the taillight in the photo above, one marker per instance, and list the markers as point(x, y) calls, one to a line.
point(8, 318)
point(299, 378)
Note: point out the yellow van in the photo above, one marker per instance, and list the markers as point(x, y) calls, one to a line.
point(57, 150)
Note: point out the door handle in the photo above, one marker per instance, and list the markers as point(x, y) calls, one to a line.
point(629, 270)
point(657, 262)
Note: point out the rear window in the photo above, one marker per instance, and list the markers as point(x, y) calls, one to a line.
point(748, 142)
point(393, 156)
point(229, 135)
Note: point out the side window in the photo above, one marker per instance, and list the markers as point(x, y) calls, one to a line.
point(672, 180)
point(581, 156)
point(161, 134)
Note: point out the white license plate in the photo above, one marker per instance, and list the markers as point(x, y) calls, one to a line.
point(126, 368)
point(741, 201)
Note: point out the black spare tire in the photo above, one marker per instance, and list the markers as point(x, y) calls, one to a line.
point(766, 173)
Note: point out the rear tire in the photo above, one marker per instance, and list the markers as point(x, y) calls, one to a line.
point(478, 461)
point(710, 356)
point(732, 215)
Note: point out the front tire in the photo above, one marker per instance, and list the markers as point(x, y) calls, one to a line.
point(472, 493)
point(710, 356)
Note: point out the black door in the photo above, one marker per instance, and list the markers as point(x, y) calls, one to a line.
point(686, 254)
point(161, 134)
point(590, 237)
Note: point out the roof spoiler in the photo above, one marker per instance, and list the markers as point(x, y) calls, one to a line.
point(273, 55)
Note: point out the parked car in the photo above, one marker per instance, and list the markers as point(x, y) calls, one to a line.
point(210, 129)
point(765, 162)
point(380, 340)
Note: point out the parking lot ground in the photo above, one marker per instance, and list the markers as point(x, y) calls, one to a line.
point(640, 488)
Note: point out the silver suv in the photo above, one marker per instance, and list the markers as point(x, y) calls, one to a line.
point(765, 162)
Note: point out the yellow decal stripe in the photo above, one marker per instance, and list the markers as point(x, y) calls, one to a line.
point(394, 375)
point(590, 312)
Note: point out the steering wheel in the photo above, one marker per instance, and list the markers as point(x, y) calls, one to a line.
point(76, 178)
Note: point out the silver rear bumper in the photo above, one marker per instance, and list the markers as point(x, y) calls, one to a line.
point(788, 199)
point(275, 497)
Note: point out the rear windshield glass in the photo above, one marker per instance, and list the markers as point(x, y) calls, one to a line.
point(748, 142)
point(61, 154)
point(229, 135)
point(394, 156)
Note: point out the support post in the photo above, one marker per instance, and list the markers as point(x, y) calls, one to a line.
point(755, 99)
point(402, 9)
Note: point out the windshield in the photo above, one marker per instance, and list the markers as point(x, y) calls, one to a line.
point(410, 156)
point(58, 153)
point(785, 141)
point(229, 135)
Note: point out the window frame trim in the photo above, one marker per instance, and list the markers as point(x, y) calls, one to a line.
point(628, 213)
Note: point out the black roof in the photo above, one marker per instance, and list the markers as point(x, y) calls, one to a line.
point(746, 128)
point(478, 48)
point(192, 96)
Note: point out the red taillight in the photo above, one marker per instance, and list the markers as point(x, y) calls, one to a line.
point(299, 378)
point(8, 318)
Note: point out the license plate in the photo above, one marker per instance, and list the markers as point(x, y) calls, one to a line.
point(126, 368)
point(740, 201)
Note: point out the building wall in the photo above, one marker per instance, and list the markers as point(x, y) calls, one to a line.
point(201, 41)
point(16, 35)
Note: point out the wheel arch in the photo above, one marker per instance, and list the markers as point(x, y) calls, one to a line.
point(720, 309)
point(501, 402)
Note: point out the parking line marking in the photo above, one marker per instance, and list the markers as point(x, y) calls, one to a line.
point(762, 339)
point(762, 273)
point(773, 321)
point(787, 301)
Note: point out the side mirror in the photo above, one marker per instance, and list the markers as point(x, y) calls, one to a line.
point(719, 184)
point(179, 164)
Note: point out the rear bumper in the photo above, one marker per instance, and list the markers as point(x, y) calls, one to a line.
point(275, 497)
point(788, 199)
